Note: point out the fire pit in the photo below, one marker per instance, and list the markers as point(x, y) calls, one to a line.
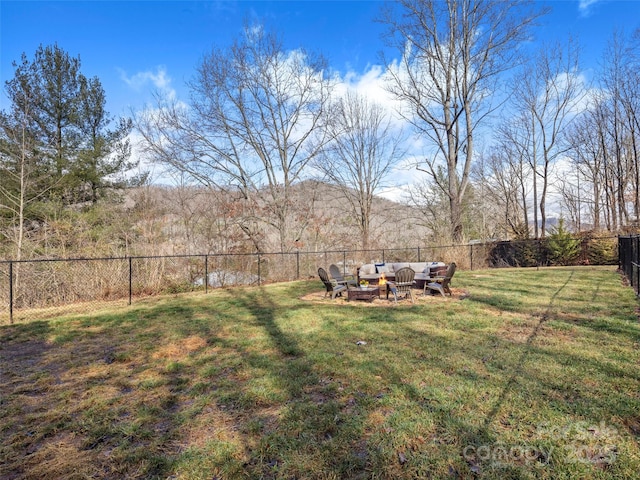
point(363, 293)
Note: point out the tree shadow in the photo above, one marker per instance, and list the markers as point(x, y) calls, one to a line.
point(196, 386)
point(518, 368)
point(470, 433)
point(315, 415)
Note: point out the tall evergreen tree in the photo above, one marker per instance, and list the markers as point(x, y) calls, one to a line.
point(104, 153)
point(56, 146)
point(54, 78)
point(80, 152)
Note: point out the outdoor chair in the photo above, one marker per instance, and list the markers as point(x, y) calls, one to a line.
point(441, 284)
point(403, 283)
point(346, 279)
point(331, 285)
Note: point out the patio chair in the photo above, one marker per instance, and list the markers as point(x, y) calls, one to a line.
point(441, 284)
point(331, 285)
point(347, 279)
point(403, 283)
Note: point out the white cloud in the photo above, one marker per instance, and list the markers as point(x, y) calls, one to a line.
point(159, 80)
point(372, 85)
point(158, 102)
point(584, 6)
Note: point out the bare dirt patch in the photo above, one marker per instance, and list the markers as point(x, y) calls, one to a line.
point(177, 350)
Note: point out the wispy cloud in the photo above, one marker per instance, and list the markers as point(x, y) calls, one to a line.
point(584, 6)
point(159, 79)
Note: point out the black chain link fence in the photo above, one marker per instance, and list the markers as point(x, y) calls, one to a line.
point(37, 289)
point(629, 248)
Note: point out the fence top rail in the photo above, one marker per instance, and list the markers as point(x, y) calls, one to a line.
point(138, 257)
point(84, 259)
point(191, 255)
point(203, 255)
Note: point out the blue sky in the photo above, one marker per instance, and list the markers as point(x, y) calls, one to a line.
point(135, 47)
point(126, 43)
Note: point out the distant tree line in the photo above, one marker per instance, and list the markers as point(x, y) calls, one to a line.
point(501, 131)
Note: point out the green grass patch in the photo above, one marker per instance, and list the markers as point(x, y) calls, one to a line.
point(523, 373)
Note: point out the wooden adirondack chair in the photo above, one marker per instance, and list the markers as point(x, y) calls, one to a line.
point(403, 283)
point(337, 275)
point(331, 285)
point(441, 284)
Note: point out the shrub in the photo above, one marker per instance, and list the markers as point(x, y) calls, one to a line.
point(563, 248)
point(599, 248)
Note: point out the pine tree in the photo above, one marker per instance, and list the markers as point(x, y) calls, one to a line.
point(104, 153)
point(56, 144)
point(563, 248)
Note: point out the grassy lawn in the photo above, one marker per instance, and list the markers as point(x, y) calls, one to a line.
point(523, 374)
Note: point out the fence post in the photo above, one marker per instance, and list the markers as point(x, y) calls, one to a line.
point(419, 255)
point(344, 262)
point(206, 273)
point(630, 267)
point(297, 264)
point(636, 253)
point(621, 264)
point(130, 280)
point(11, 292)
point(259, 270)
point(470, 257)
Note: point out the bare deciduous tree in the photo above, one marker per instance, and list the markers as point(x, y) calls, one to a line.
point(588, 177)
point(453, 52)
point(254, 122)
point(621, 104)
point(359, 159)
point(604, 143)
point(511, 174)
point(548, 93)
point(506, 188)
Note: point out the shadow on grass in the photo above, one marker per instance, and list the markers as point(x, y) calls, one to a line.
point(518, 368)
point(27, 374)
point(314, 417)
point(230, 387)
point(570, 399)
point(72, 407)
point(473, 439)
